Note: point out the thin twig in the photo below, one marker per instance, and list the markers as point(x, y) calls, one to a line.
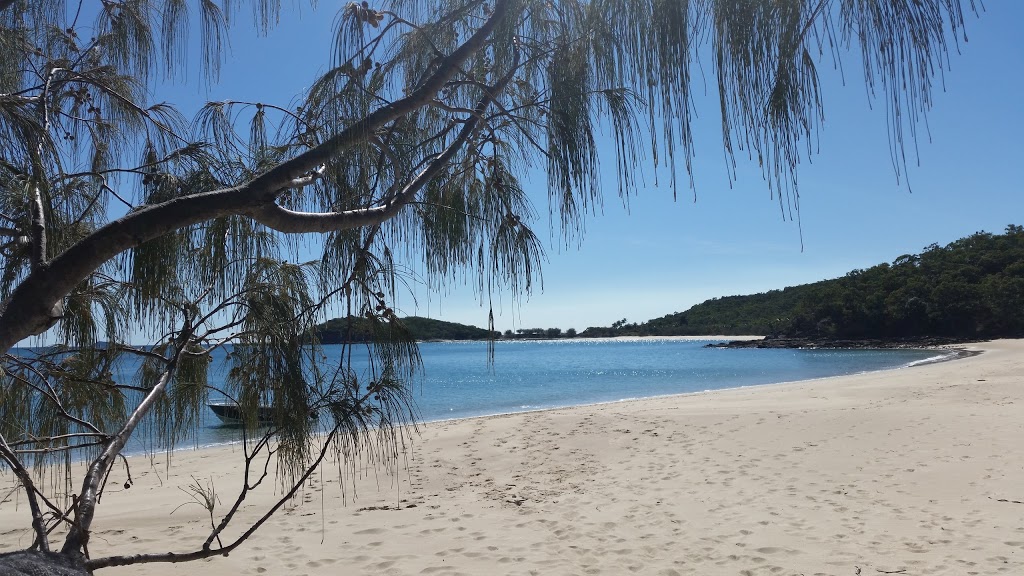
point(30, 491)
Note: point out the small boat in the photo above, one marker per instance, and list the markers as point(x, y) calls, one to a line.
point(230, 413)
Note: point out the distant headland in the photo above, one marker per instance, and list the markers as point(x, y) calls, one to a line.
point(971, 289)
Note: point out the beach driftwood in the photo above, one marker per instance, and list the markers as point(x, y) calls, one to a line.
point(25, 563)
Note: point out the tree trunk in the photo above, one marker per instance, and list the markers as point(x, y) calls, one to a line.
point(25, 563)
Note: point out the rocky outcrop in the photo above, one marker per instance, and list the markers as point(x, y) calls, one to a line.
point(817, 343)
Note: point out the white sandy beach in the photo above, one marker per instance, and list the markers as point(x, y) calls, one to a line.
point(911, 471)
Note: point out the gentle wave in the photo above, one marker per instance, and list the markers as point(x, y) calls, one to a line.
point(931, 360)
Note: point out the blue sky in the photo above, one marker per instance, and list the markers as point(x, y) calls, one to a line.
point(663, 256)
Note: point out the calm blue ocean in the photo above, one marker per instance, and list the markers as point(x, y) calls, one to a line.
point(533, 375)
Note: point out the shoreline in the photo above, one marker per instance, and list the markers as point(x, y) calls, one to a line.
point(953, 355)
point(802, 343)
point(894, 470)
point(738, 338)
point(953, 352)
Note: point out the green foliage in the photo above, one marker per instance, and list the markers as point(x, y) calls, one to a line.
point(971, 288)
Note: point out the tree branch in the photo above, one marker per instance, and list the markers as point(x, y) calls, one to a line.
point(50, 394)
point(32, 307)
point(57, 449)
point(207, 551)
point(78, 537)
point(38, 241)
point(30, 491)
point(17, 98)
point(284, 220)
point(50, 439)
point(224, 550)
point(38, 252)
point(271, 182)
point(246, 486)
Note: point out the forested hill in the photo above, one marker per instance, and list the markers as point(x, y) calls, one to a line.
point(971, 288)
point(335, 331)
